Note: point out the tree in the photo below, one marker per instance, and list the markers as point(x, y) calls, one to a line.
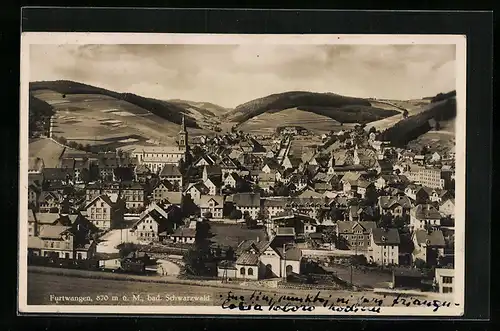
point(126, 248)
point(405, 113)
point(249, 221)
point(420, 264)
point(398, 222)
point(207, 214)
point(385, 221)
point(358, 260)
point(235, 214)
point(437, 127)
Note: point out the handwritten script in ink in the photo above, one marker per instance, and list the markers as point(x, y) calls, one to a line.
point(258, 301)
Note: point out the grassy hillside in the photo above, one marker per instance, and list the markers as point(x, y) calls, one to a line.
point(442, 108)
point(164, 109)
point(340, 108)
point(39, 116)
point(204, 108)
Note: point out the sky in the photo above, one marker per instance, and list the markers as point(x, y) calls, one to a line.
point(229, 75)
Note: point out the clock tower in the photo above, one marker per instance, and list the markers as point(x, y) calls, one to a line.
point(183, 135)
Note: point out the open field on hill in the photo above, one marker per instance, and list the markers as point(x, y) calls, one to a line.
point(98, 119)
point(267, 123)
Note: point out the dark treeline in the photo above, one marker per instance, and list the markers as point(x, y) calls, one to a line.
point(39, 116)
point(412, 127)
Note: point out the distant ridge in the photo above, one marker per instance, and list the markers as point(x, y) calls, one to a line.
point(340, 108)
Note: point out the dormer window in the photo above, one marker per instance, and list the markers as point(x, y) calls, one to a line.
point(384, 238)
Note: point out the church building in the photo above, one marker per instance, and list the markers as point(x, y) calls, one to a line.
point(155, 157)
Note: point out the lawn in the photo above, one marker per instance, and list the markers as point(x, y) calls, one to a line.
point(233, 234)
point(368, 278)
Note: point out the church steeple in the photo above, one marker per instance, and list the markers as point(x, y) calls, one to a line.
point(183, 135)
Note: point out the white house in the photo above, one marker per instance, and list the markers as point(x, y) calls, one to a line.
point(428, 245)
point(151, 223)
point(424, 214)
point(212, 204)
point(435, 157)
point(447, 207)
point(445, 280)
point(384, 246)
point(99, 211)
point(212, 186)
point(231, 180)
point(248, 202)
point(195, 191)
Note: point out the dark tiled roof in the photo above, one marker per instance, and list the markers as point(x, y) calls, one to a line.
point(385, 236)
point(291, 254)
point(259, 246)
point(248, 259)
point(247, 199)
point(274, 202)
point(170, 170)
point(347, 226)
point(185, 232)
point(213, 170)
point(434, 238)
point(426, 211)
point(51, 174)
point(389, 202)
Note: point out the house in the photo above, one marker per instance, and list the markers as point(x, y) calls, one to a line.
point(213, 185)
point(299, 181)
point(161, 189)
point(184, 235)
point(212, 205)
point(265, 259)
point(212, 171)
point(195, 190)
point(248, 202)
point(266, 181)
point(424, 215)
point(133, 194)
point(437, 195)
point(394, 205)
point(290, 162)
point(171, 199)
point(354, 235)
point(436, 157)
point(273, 206)
point(228, 165)
point(383, 167)
point(386, 180)
point(384, 246)
point(172, 173)
point(64, 242)
point(204, 160)
point(350, 181)
point(447, 207)
point(416, 193)
point(428, 245)
point(63, 175)
point(154, 223)
point(101, 211)
point(142, 173)
point(358, 213)
point(231, 180)
point(270, 166)
point(445, 280)
point(35, 165)
point(49, 202)
point(365, 188)
point(33, 194)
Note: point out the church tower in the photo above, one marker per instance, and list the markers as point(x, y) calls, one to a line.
point(183, 135)
point(355, 158)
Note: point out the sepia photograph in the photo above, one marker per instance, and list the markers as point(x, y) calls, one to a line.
point(242, 174)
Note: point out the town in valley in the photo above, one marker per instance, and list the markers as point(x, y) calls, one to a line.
point(362, 206)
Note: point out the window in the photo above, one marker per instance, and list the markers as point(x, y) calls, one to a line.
point(447, 289)
point(447, 280)
point(250, 272)
point(242, 271)
point(79, 256)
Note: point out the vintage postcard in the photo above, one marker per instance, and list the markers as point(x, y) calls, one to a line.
point(242, 174)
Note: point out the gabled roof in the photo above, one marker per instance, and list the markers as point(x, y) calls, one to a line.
point(52, 231)
point(386, 202)
point(307, 194)
point(348, 226)
point(174, 198)
point(248, 258)
point(364, 183)
point(350, 177)
point(426, 211)
point(234, 176)
point(291, 254)
point(274, 202)
point(247, 245)
point(263, 177)
point(170, 170)
point(246, 199)
point(199, 186)
point(141, 169)
point(205, 199)
point(205, 158)
point(385, 236)
point(164, 183)
point(103, 197)
point(434, 238)
point(46, 195)
point(213, 170)
point(47, 218)
point(157, 213)
point(185, 232)
point(35, 242)
point(51, 174)
point(216, 181)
